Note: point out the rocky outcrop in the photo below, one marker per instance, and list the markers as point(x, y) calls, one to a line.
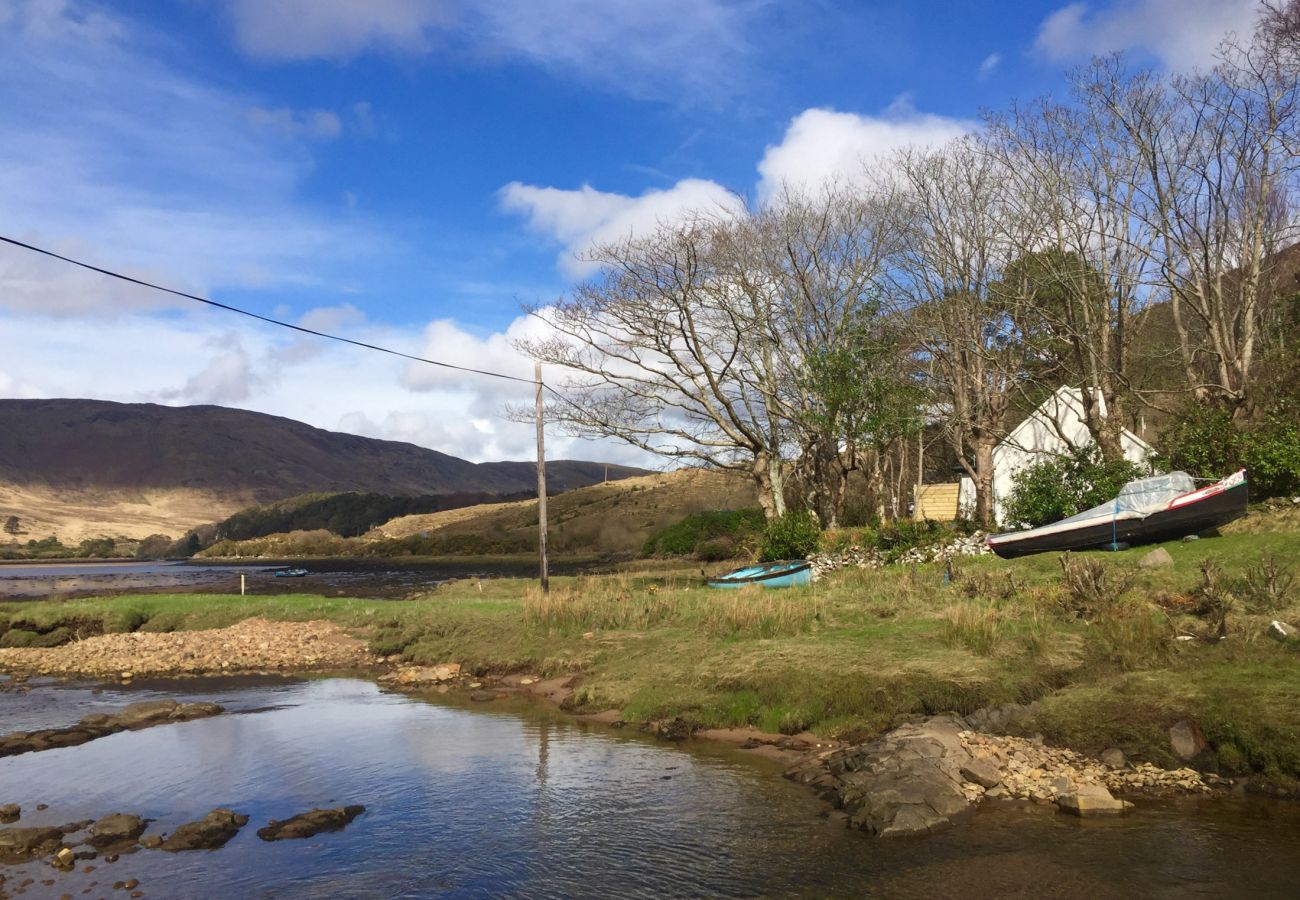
point(97, 725)
point(907, 783)
point(309, 823)
point(115, 830)
point(212, 831)
point(922, 776)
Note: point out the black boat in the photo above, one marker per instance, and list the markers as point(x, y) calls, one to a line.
point(1147, 511)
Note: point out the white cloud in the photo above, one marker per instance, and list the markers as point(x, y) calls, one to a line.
point(334, 29)
point(177, 186)
point(823, 145)
point(583, 218)
point(991, 62)
point(322, 124)
point(655, 49)
point(1183, 34)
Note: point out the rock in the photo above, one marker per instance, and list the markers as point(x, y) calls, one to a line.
point(482, 696)
point(1158, 558)
point(1280, 631)
point(997, 793)
point(151, 841)
point(1114, 758)
point(28, 843)
point(312, 822)
point(118, 828)
point(1186, 739)
point(426, 674)
point(10, 812)
point(208, 833)
point(96, 725)
point(1091, 800)
point(907, 783)
point(982, 772)
point(64, 858)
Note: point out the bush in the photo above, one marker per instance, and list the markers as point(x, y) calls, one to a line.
point(792, 536)
point(689, 536)
point(1207, 443)
point(1057, 488)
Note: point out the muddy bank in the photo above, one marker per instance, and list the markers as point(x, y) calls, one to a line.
point(253, 645)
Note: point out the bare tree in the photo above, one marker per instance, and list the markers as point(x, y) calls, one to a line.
point(1081, 278)
point(954, 212)
point(662, 352)
point(1219, 150)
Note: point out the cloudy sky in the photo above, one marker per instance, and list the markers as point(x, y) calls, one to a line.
point(413, 172)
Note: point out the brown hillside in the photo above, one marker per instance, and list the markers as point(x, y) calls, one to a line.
point(80, 468)
point(602, 518)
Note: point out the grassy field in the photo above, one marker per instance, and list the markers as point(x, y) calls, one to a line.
point(1094, 640)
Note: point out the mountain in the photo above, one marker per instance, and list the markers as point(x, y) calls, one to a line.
point(80, 468)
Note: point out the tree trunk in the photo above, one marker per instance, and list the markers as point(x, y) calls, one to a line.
point(984, 510)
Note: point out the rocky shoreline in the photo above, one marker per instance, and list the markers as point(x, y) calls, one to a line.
point(924, 776)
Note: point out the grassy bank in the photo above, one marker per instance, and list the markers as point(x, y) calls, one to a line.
point(853, 655)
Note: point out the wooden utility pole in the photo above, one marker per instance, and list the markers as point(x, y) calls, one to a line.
point(541, 481)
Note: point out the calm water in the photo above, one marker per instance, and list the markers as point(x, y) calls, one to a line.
point(516, 802)
point(357, 578)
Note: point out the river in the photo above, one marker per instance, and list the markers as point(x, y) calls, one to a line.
point(373, 579)
point(519, 801)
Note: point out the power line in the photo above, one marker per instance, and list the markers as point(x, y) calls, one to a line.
point(267, 319)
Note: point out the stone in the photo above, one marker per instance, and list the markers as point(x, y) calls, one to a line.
point(10, 812)
point(28, 843)
point(1281, 631)
point(212, 831)
point(306, 824)
point(1090, 800)
point(96, 725)
point(438, 674)
point(982, 772)
point(64, 858)
point(118, 828)
point(1158, 558)
point(1186, 739)
point(1114, 758)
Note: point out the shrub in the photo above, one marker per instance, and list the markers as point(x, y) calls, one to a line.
point(1092, 590)
point(1267, 587)
point(1055, 489)
point(687, 537)
point(792, 536)
point(1207, 443)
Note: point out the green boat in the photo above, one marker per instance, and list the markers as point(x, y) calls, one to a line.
point(781, 574)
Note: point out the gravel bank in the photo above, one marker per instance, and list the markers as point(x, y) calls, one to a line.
point(253, 645)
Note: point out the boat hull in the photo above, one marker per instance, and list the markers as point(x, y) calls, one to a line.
point(1168, 524)
point(784, 574)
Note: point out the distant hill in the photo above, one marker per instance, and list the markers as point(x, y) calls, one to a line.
point(80, 468)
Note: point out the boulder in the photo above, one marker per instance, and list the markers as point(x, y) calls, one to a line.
point(212, 831)
point(1281, 631)
point(1186, 739)
point(1114, 758)
point(306, 824)
point(1158, 558)
point(10, 812)
point(908, 782)
point(1091, 800)
point(118, 828)
point(982, 772)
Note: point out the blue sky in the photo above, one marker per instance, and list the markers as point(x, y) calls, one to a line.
point(410, 172)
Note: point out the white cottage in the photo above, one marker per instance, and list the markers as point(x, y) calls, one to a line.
point(1053, 429)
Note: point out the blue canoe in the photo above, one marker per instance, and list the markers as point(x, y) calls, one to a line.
point(782, 574)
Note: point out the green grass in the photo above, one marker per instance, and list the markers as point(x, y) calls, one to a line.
point(848, 657)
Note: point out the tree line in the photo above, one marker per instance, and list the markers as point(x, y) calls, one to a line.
point(1129, 239)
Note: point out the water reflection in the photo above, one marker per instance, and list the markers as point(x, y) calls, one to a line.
point(503, 803)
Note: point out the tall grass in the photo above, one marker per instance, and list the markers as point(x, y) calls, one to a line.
point(974, 625)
